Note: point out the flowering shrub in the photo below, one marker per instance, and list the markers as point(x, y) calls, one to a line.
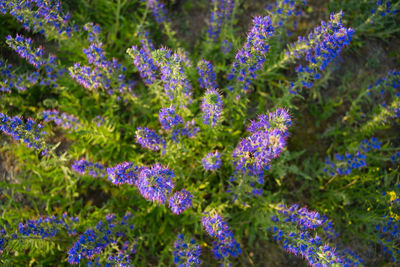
point(171, 136)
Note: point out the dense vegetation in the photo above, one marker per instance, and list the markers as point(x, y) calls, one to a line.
point(209, 132)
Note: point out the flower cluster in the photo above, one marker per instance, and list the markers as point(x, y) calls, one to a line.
point(156, 183)
point(212, 161)
point(221, 13)
point(186, 254)
point(254, 153)
point(46, 227)
point(321, 47)
point(344, 164)
point(169, 119)
point(211, 107)
point(389, 229)
point(180, 201)
point(3, 240)
point(29, 132)
point(158, 9)
point(123, 173)
point(305, 219)
point(143, 59)
point(65, 120)
point(368, 145)
point(10, 79)
point(149, 139)
point(251, 57)
point(226, 47)
point(35, 57)
point(395, 158)
point(86, 167)
point(284, 10)
point(206, 75)
point(176, 83)
point(189, 130)
point(384, 8)
point(101, 73)
point(45, 17)
point(297, 230)
point(43, 227)
point(95, 241)
point(124, 255)
point(226, 245)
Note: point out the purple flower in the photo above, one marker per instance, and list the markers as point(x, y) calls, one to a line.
point(84, 167)
point(47, 227)
point(226, 47)
point(12, 79)
point(175, 80)
point(93, 241)
point(66, 121)
point(149, 139)
point(123, 173)
point(155, 183)
point(188, 130)
point(268, 139)
point(35, 57)
point(212, 161)
point(225, 245)
point(169, 119)
point(101, 72)
point(45, 17)
point(221, 13)
point(321, 47)
point(180, 201)
point(251, 57)
point(206, 75)
point(186, 254)
point(158, 9)
point(143, 59)
point(284, 10)
point(29, 132)
point(211, 107)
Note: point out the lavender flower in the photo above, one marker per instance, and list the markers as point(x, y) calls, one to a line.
point(66, 121)
point(212, 161)
point(251, 57)
point(47, 227)
point(93, 241)
point(149, 139)
point(158, 9)
point(321, 47)
point(186, 254)
point(156, 183)
point(169, 119)
point(124, 255)
point(30, 132)
point(101, 73)
point(35, 57)
point(206, 75)
point(45, 17)
point(10, 79)
point(211, 107)
point(226, 47)
point(180, 201)
point(284, 10)
point(221, 13)
point(344, 164)
point(297, 229)
point(143, 59)
point(225, 245)
point(84, 167)
point(176, 83)
point(189, 130)
point(123, 173)
point(268, 139)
